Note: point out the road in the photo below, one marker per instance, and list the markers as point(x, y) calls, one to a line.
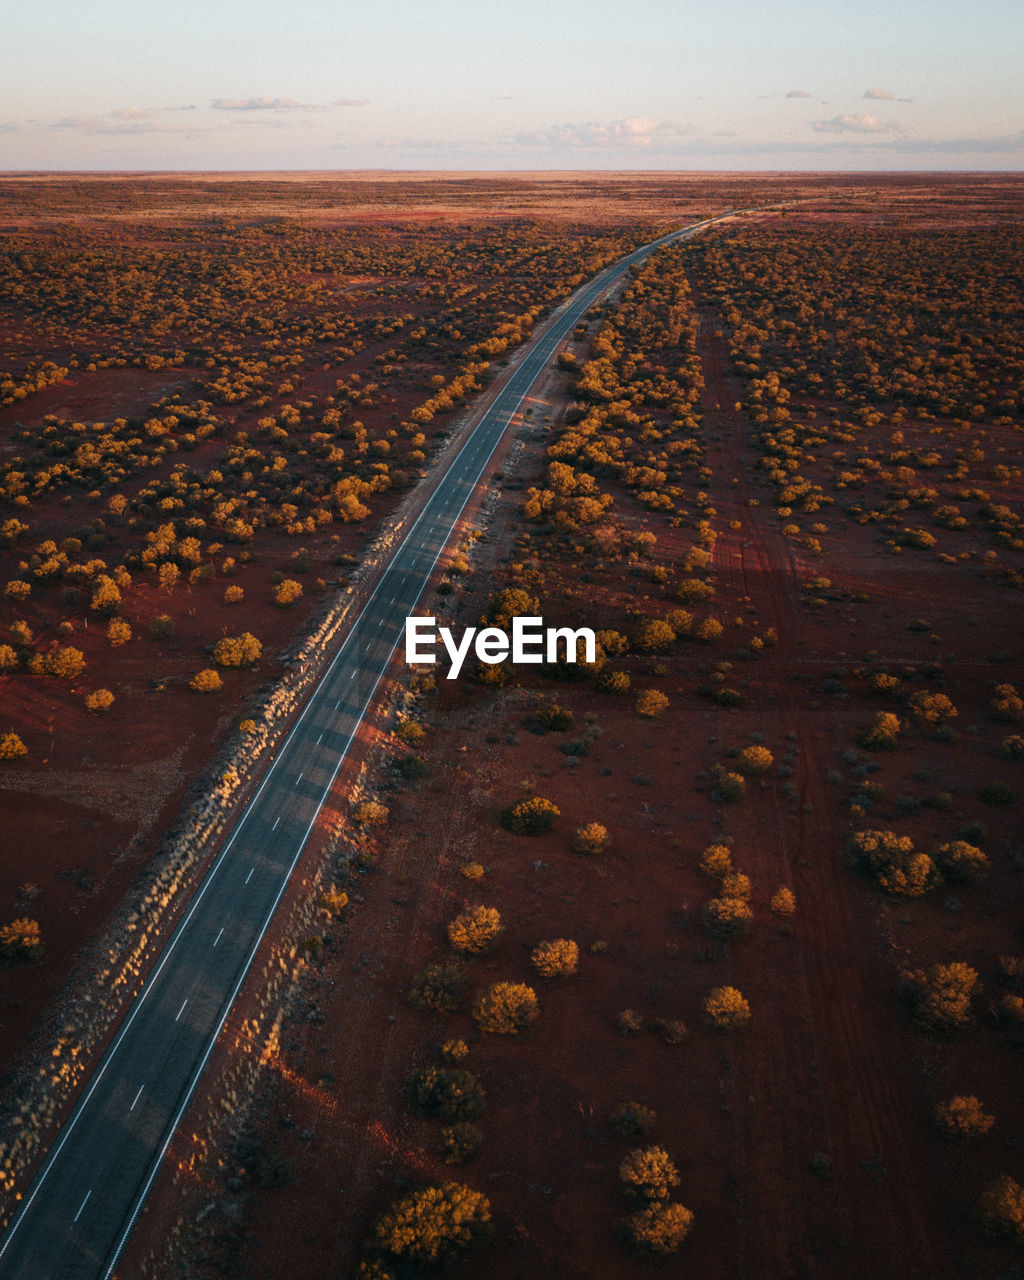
point(76, 1217)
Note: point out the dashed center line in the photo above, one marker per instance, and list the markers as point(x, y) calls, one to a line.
point(252, 869)
point(273, 828)
point(320, 739)
point(83, 1204)
point(182, 1009)
point(137, 1097)
point(298, 779)
point(219, 935)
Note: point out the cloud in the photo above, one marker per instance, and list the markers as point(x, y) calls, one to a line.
point(853, 124)
point(878, 95)
point(349, 102)
point(9, 126)
point(132, 113)
point(633, 131)
point(255, 104)
point(126, 126)
point(798, 93)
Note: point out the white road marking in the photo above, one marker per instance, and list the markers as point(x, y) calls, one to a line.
point(137, 1097)
point(274, 827)
point(182, 1009)
point(337, 704)
point(320, 739)
point(298, 779)
point(219, 935)
point(252, 869)
point(83, 1204)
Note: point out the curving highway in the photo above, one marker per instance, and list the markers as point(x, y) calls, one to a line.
point(78, 1213)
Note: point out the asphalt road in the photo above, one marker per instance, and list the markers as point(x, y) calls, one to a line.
point(78, 1213)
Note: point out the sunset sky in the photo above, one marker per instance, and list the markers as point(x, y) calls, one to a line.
point(538, 84)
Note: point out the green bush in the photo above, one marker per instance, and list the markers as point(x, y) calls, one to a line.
point(433, 1226)
point(530, 817)
point(556, 958)
point(506, 1008)
point(648, 1173)
point(437, 987)
point(632, 1120)
point(445, 1093)
point(459, 1142)
point(475, 930)
point(657, 1230)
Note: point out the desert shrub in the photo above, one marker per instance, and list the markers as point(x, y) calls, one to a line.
point(881, 735)
point(161, 627)
point(459, 1142)
point(693, 591)
point(530, 817)
point(17, 590)
point(8, 658)
point(940, 997)
point(287, 592)
point(445, 1093)
point(433, 1226)
point(632, 1120)
point(454, 1050)
point(237, 651)
point(736, 885)
point(206, 681)
point(783, 901)
point(438, 987)
point(11, 747)
point(471, 871)
point(889, 859)
point(1007, 705)
point(648, 1173)
point(556, 958)
point(370, 813)
point(729, 787)
point(475, 930)
point(1011, 747)
point(119, 632)
point(727, 917)
point(654, 636)
point(552, 717)
point(21, 940)
point(657, 1230)
point(726, 1009)
point(961, 862)
point(650, 703)
point(590, 838)
point(62, 661)
point(233, 594)
point(505, 1008)
point(932, 708)
point(509, 603)
point(716, 861)
point(334, 900)
point(629, 1023)
point(106, 598)
point(99, 700)
point(963, 1117)
point(410, 731)
point(411, 767)
point(753, 762)
point(709, 630)
point(884, 685)
point(997, 793)
point(613, 681)
point(1001, 1209)
point(671, 1030)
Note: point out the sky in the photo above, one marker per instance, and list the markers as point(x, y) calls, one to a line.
point(533, 84)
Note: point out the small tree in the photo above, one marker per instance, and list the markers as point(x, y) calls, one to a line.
point(437, 987)
point(459, 1142)
point(727, 917)
point(557, 958)
point(932, 708)
point(726, 1009)
point(729, 787)
point(506, 1008)
point(1007, 705)
point(11, 747)
point(371, 813)
point(783, 901)
point(590, 838)
point(716, 861)
point(963, 1117)
point(237, 651)
point(658, 1229)
point(206, 681)
point(754, 761)
point(632, 1120)
point(21, 940)
point(99, 700)
point(961, 862)
point(651, 703)
point(233, 594)
point(119, 632)
point(941, 996)
point(434, 1225)
point(287, 592)
point(1001, 1209)
point(530, 817)
point(475, 930)
point(881, 734)
point(648, 1173)
point(736, 885)
point(654, 636)
point(8, 658)
point(448, 1093)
